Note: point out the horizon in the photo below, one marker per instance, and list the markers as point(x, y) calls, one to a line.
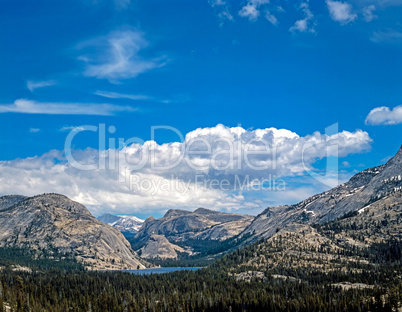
point(142, 217)
point(226, 105)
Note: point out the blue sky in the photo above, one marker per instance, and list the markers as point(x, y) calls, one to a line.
point(295, 65)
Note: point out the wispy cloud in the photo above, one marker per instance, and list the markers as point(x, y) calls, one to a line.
point(307, 24)
point(122, 4)
point(341, 12)
point(271, 18)
point(34, 130)
point(368, 13)
point(222, 10)
point(385, 116)
point(69, 128)
point(141, 97)
point(385, 3)
point(115, 95)
point(388, 36)
point(116, 56)
point(36, 84)
point(25, 106)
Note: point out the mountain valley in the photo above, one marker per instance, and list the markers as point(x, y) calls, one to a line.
point(339, 250)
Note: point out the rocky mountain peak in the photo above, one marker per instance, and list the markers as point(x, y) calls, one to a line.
point(55, 222)
point(176, 213)
point(363, 189)
point(204, 211)
point(149, 219)
point(127, 225)
point(108, 218)
point(10, 200)
point(56, 203)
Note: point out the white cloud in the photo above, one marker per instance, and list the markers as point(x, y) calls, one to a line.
point(341, 12)
point(271, 18)
point(116, 56)
point(34, 130)
point(115, 95)
point(307, 24)
point(222, 9)
point(385, 116)
point(381, 3)
point(300, 25)
point(53, 108)
point(140, 97)
point(251, 9)
point(33, 85)
point(368, 13)
point(70, 128)
point(388, 36)
point(154, 187)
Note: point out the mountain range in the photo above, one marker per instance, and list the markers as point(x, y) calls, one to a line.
point(178, 231)
point(205, 228)
point(364, 211)
point(359, 193)
point(127, 225)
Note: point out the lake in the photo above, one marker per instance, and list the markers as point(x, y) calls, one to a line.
point(160, 270)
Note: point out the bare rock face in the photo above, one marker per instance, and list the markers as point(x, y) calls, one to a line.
point(180, 226)
point(54, 222)
point(158, 247)
point(198, 224)
point(327, 247)
point(10, 200)
point(363, 189)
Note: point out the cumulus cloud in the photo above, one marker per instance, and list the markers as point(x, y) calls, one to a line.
point(341, 12)
point(116, 56)
point(307, 24)
point(218, 167)
point(24, 106)
point(252, 11)
point(385, 116)
point(33, 85)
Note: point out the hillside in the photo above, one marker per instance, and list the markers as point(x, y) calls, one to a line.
point(54, 222)
point(184, 229)
point(362, 190)
point(359, 253)
point(345, 249)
